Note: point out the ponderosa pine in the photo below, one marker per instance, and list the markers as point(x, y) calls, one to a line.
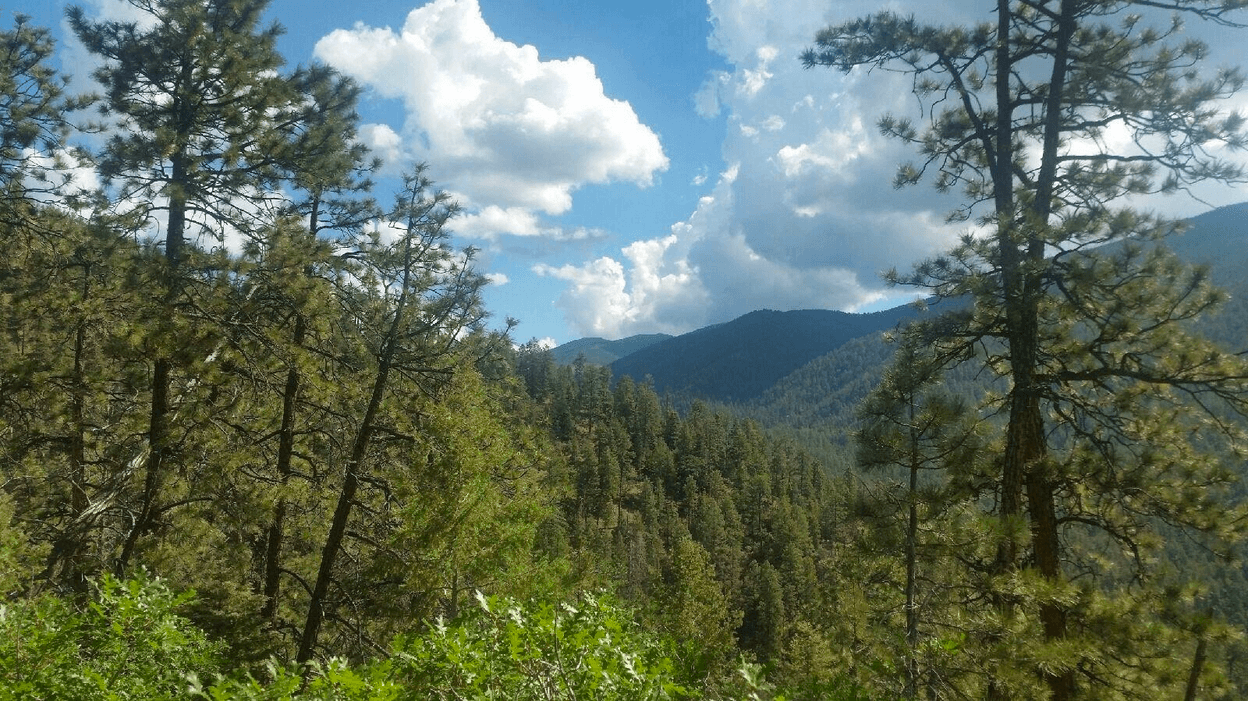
point(196, 112)
point(1075, 303)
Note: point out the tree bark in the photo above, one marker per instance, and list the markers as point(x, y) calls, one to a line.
point(285, 457)
point(912, 537)
point(1198, 664)
point(1040, 489)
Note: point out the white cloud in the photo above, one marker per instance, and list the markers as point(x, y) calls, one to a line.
point(832, 152)
point(655, 293)
point(710, 268)
point(706, 101)
point(804, 218)
point(385, 144)
point(120, 11)
point(755, 79)
point(774, 123)
point(502, 127)
point(595, 302)
point(491, 221)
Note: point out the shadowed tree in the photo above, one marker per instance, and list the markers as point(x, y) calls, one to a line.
point(909, 423)
point(61, 304)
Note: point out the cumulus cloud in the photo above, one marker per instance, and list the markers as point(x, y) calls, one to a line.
point(511, 132)
point(655, 294)
point(804, 217)
point(491, 221)
point(386, 144)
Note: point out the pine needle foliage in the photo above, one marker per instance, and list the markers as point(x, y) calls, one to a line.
point(1117, 419)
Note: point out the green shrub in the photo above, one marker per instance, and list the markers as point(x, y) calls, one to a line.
point(128, 642)
point(504, 650)
point(499, 649)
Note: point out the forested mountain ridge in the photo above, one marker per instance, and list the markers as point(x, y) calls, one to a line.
point(1218, 238)
point(824, 392)
point(737, 361)
point(742, 364)
point(603, 352)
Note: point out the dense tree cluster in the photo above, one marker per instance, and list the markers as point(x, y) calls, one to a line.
point(230, 367)
point(725, 536)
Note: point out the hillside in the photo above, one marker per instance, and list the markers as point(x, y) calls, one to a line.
point(809, 368)
point(602, 352)
point(824, 392)
point(739, 360)
point(1219, 239)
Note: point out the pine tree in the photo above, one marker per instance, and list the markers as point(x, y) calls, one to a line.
point(196, 111)
point(46, 266)
point(696, 611)
point(410, 332)
point(67, 397)
point(327, 170)
point(33, 118)
point(1075, 302)
point(908, 423)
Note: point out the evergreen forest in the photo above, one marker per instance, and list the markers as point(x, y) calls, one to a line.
point(260, 438)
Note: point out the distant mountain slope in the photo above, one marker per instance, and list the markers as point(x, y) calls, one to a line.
point(602, 352)
point(739, 360)
point(824, 392)
point(1219, 239)
point(800, 368)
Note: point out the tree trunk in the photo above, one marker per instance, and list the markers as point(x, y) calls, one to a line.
point(1198, 659)
point(285, 456)
point(1001, 157)
point(286, 451)
point(912, 537)
point(1198, 664)
point(158, 418)
point(64, 560)
point(351, 482)
point(1040, 489)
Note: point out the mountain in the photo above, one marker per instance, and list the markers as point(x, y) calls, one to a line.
point(1219, 239)
point(743, 363)
point(809, 368)
point(602, 352)
point(824, 392)
point(737, 361)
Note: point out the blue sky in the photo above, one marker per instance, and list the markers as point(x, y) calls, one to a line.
point(643, 166)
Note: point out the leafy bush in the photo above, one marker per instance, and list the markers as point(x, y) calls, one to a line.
point(128, 642)
point(500, 649)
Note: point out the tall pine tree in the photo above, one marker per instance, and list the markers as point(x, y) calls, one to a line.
point(198, 119)
point(1110, 401)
